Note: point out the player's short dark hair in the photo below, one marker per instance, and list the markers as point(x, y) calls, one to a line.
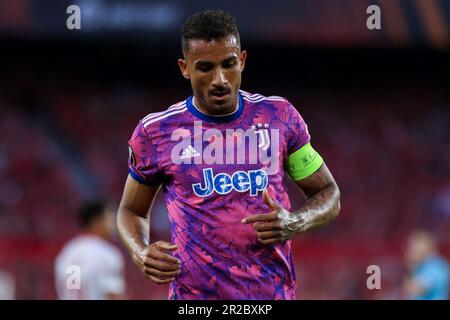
point(208, 25)
point(90, 211)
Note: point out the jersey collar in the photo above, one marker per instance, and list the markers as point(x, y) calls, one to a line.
point(217, 119)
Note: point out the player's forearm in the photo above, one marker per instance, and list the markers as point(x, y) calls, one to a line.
point(133, 230)
point(319, 209)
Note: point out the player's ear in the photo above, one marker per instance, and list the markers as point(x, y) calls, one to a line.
point(184, 68)
point(243, 57)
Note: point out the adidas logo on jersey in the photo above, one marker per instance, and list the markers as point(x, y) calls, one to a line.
point(189, 152)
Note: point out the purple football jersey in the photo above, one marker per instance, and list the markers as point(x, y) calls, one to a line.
point(213, 170)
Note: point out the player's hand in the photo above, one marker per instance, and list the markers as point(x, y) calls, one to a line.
point(157, 264)
point(277, 226)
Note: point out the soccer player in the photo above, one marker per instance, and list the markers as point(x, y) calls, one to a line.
point(92, 258)
point(429, 272)
point(221, 156)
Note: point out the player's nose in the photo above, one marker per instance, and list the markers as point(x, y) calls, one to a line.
point(219, 79)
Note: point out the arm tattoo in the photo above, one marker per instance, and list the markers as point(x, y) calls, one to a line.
point(322, 204)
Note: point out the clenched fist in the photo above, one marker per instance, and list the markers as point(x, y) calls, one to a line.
point(156, 262)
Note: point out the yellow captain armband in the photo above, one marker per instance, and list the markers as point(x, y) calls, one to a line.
point(303, 162)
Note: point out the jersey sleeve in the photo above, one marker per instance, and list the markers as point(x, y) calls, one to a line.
point(302, 159)
point(298, 130)
point(142, 158)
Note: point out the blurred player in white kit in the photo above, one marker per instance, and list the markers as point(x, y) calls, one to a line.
point(92, 258)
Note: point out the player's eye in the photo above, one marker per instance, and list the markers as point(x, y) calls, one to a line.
point(204, 67)
point(229, 64)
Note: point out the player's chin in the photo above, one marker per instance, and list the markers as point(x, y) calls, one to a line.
point(220, 103)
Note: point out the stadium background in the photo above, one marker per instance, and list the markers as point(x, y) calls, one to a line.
point(376, 101)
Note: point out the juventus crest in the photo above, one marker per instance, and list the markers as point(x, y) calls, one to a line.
point(262, 131)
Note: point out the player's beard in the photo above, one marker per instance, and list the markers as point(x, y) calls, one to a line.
point(223, 105)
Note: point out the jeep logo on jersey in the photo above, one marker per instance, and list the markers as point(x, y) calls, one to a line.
point(257, 144)
point(222, 183)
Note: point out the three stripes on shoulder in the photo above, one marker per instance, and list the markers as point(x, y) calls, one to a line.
point(174, 109)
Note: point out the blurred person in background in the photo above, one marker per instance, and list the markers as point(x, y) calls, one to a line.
point(429, 275)
point(7, 286)
point(100, 263)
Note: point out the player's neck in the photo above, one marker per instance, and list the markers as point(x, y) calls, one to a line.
point(202, 110)
point(94, 233)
